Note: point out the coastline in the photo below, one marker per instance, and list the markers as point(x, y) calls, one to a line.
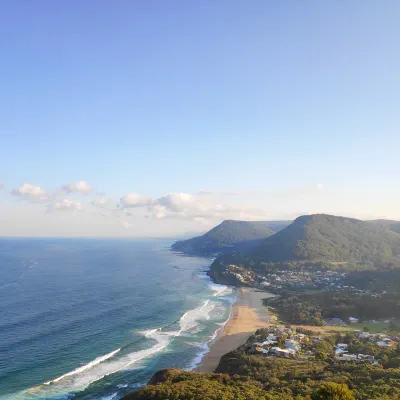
point(248, 315)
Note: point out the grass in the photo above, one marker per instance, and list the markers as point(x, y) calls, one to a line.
point(373, 328)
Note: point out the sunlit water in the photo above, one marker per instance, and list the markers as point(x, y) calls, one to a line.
point(94, 319)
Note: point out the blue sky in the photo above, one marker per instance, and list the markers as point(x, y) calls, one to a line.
point(264, 99)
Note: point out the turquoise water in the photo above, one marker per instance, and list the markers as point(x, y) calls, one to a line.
point(94, 319)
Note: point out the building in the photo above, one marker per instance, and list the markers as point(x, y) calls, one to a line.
point(292, 344)
point(277, 351)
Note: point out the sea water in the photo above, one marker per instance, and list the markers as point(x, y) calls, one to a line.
point(95, 318)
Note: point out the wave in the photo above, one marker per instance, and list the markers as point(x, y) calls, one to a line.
point(205, 347)
point(111, 397)
point(91, 364)
point(80, 378)
point(190, 318)
point(218, 289)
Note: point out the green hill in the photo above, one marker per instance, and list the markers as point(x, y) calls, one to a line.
point(389, 224)
point(230, 236)
point(329, 238)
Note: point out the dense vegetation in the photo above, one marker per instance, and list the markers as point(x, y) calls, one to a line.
point(230, 236)
point(315, 308)
point(384, 277)
point(245, 376)
point(329, 238)
point(392, 225)
point(369, 254)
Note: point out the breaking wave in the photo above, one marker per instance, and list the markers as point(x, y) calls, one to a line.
point(85, 367)
point(80, 378)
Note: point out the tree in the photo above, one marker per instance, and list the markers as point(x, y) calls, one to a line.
point(321, 355)
point(393, 327)
point(332, 391)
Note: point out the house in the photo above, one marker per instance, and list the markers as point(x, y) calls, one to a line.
point(348, 357)
point(335, 322)
point(364, 335)
point(261, 350)
point(342, 346)
point(316, 339)
point(281, 352)
point(385, 343)
point(269, 342)
point(366, 357)
point(353, 320)
point(340, 352)
point(292, 344)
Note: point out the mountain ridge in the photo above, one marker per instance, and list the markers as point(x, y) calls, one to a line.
point(229, 236)
point(329, 238)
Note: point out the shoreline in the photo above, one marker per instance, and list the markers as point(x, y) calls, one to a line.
point(248, 314)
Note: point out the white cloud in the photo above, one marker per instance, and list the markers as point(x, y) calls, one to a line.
point(177, 202)
point(100, 203)
point(31, 193)
point(135, 200)
point(65, 205)
point(77, 187)
point(185, 206)
point(158, 211)
point(125, 224)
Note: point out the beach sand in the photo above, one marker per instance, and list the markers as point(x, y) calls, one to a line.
point(248, 315)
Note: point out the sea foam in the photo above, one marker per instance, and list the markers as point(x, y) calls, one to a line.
point(91, 364)
point(80, 378)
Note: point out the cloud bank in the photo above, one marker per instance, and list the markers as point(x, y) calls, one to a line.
point(65, 205)
point(32, 193)
point(186, 206)
point(77, 187)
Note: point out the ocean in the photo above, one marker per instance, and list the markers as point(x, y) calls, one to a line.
point(95, 318)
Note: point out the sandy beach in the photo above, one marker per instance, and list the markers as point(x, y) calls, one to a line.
point(248, 315)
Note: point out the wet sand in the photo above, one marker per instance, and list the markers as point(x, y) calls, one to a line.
point(248, 315)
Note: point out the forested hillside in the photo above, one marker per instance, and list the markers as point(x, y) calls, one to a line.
point(392, 225)
point(230, 236)
point(329, 238)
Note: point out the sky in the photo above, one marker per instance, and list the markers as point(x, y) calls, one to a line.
point(159, 118)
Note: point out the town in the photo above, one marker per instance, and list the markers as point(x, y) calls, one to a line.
point(301, 344)
point(302, 278)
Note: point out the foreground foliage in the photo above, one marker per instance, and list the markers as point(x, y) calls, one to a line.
point(242, 375)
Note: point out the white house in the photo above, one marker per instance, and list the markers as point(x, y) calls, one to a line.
point(349, 357)
point(282, 352)
point(292, 344)
point(385, 343)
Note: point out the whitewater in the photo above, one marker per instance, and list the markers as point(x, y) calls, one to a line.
point(82, 377)
point(140, 348)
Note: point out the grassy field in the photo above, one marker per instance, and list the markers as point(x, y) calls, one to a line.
point(374, 328)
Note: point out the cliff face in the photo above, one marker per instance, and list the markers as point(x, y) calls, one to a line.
point(222, 278)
